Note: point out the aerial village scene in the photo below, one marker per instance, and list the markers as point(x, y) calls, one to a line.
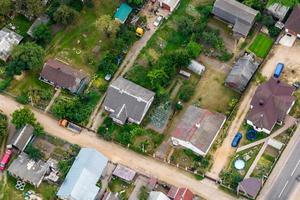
point(149, 99)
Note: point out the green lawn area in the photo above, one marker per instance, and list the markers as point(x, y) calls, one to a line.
point(21, 23)
point(83, 36)
point(123, 188)
point(244, 129)
point(261, 45)
point(263, 166)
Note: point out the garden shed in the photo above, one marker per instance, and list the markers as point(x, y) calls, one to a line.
point(123, 12)
point(196, 67)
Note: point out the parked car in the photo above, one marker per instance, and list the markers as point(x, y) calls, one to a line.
point(278, 70)
point(158, 20)
point(5, 159)
point(236, 140)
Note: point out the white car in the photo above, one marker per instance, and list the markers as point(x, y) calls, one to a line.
point(158, 20)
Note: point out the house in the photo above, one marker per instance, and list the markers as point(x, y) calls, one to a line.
point(180, 193)
point(270, 104)
point(28, 170)
point(80, 182)
point(278, 11)
point(22, 138)
point(127, 101)
point(196, 67)
point(239, 15)
point(62, 75)
point(169, 5)
point(250, 187)
point(111, 196)
point(292, 25)
point(8, 39)
point(241, 73)
point(124, 173)
point(197, 129)
point(40, 20)
point(156, 195)
point(122, 13)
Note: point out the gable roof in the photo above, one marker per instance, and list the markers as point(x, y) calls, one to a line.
point(270, 103)
point(124, 173)
point(250, 186)
point(180, 193)
point(293, 22)
point(236, 13)
point(199, 127)
point(277, 10)
point(80, 182)
point(8, 39)
point(123, 12)
point(127, 99)
point(241, 73)
point(63, 75)
point(22, 137)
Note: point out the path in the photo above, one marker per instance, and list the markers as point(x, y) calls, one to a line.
point(289, 122)
point(53, 100)
point(142, 164)
point(258, 156)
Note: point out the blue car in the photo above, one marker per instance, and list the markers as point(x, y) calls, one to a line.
point(236, 140)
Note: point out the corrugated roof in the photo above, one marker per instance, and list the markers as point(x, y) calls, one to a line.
point(80, 182)
point(22, 137)
point(8, 39)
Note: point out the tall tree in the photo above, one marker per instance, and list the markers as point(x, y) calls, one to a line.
point(136, 2)
point(65, 15)
point(107, 25)
point(30, 8)
point(22, 117)
point(5, 7)
point(42, 34)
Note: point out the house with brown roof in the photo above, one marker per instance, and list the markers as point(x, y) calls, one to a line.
point(270, 104)
point(62, 75)
point(180, 193)
point(197, 129)
point(292, 25)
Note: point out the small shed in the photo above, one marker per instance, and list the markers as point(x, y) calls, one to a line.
point(122, 13)
point(277, 10)
point(22, 138)
point(124, 173)
point(196, 67)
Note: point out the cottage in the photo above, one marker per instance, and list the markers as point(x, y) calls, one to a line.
point(80, 182)
point(124, 173)
point(122, 13)
point(28, 170)
point(292, 25)
point(169, 5)
point(270, 104)
point(250, 187)
point(156, 195)
point(22, 138)
point(180, 193)
point(61, 75)
point(241, 73)
point(239, 15)
point(278, 11)
point(127, 101)
point(40, 20)
point(197, 129)
point(8, 39)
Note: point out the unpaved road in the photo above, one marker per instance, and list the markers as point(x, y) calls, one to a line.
point(118, 154)
point(290, 56)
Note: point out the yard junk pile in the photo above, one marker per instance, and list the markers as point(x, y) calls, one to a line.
point(20, 185)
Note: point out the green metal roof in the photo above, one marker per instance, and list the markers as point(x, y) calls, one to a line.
point(123, 12)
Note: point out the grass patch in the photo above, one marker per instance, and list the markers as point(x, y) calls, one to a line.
point(22, 24)
point(264, 165)
point(123, 188)
point(261, 45)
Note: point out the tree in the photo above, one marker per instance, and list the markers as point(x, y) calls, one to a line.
point(194, 49)
point(186, 26)
point(42, 34)
point(5, 7)
point(3, 125)
point(22, 117)
point(157, 77)
point(38, 130)
point(65, 15)
point(186, 92)
point(107, 25)
point(26, 56)
point(143, 195)
point(136, 2)
point(274, 31)
point(108, 64)
point(30, 8)
point(34, 153)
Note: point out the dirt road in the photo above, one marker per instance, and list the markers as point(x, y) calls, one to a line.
point(115, 153)
point(290, 57)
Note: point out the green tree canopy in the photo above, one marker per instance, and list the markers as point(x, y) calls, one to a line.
point(42, 34)
point(5, 7)
point(31, 8)
point(65, 15)
point(136, 2)
point(22, 117)
point(107, 25)
point(33, 152)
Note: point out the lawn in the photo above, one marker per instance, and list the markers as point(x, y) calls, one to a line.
point(82, 37)
point(21, 24)
point(244, 129)
point(123, 188)
point(261, 45)
point(264, 165)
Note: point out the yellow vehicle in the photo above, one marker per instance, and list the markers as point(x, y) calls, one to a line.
point(139, 32)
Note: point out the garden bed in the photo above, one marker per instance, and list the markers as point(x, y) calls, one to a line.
point(261, 45)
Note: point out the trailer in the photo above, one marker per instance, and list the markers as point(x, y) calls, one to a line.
point(278, 70)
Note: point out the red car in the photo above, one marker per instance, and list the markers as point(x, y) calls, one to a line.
point(5, 159)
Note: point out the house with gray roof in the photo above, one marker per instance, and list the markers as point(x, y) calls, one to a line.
point(8, 39)
point(28, 170)
point(250, 187)
point(127, 101)
point(239, 15)
point(278, 11)
point(44, 19)
point(22, 138)
point(241, 73)
point(80, 182)
point(197, 129)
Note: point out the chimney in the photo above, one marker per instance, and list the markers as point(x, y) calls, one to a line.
point(261, 102)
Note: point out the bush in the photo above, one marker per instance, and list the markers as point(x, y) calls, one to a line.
point(4, 84)
point(194, 49)
point(186, 92)
point(274, 31)
point(34, 153)
point(23, 98)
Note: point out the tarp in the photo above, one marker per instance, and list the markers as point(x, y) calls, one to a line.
point(123, 12)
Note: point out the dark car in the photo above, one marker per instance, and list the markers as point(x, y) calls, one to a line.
point(236, 140)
